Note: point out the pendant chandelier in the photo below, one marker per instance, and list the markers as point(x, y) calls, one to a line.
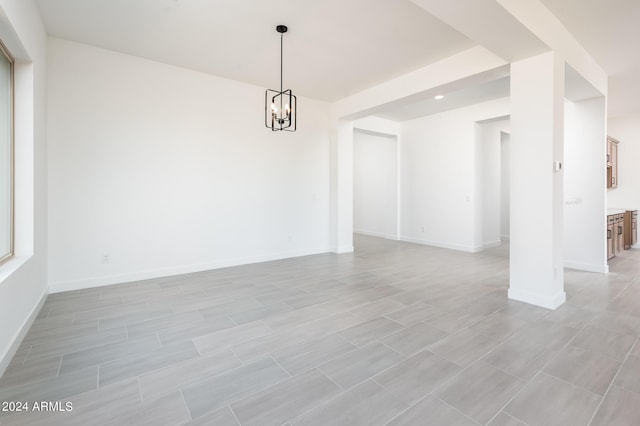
point(280, 107)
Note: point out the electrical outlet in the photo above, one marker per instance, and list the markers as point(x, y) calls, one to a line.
point(290, 238)
point(105, 258)
point(423, 229)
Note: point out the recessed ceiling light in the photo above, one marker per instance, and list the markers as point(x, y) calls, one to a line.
point(438, 97)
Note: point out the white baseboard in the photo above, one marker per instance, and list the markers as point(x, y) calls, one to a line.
point(468, 249)
point(602, 269)
point(369, 233)
point(505, 237)
point(61, 286)
point(17, 340)
point(342, 249)
point(549, 302)
point(492, 244)
point(375, 234)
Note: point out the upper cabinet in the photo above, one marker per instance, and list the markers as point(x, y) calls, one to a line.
point(612, 163)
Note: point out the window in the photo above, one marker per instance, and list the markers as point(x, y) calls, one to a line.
point(6, 154)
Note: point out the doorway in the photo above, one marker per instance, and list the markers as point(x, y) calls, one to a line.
point(375, 184)
point(493, 183)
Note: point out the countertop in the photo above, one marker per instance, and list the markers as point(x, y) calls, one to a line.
point(618, 211)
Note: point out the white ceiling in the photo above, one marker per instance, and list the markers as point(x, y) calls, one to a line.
point(610, 31)
point(334, 47)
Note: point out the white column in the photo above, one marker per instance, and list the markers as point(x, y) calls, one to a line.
point(537, 131)
point(342, 187)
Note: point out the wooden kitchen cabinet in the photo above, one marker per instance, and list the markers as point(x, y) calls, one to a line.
point(634, 230)
point(619, 234)
point(622, 232)
point(630, 228)
point(610, 242)
point(612, 163)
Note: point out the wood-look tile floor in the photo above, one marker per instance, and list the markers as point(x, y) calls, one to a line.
point(397, 333)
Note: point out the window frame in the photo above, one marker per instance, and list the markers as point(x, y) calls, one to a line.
point(4, 258)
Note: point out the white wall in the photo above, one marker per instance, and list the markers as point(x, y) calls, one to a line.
point(505, 189)
point(627, 194)
point(375, 124)
point(375, 180)
point(166, 170)
point(439, 176)
point(341, 184)
point(6, 156)
point(584, 185)
point(23, 279)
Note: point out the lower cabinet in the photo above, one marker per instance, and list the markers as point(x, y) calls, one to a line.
point(622, 232)
point(631, 228)
point(610, 240)
point(634, 228)
point(619, 231)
